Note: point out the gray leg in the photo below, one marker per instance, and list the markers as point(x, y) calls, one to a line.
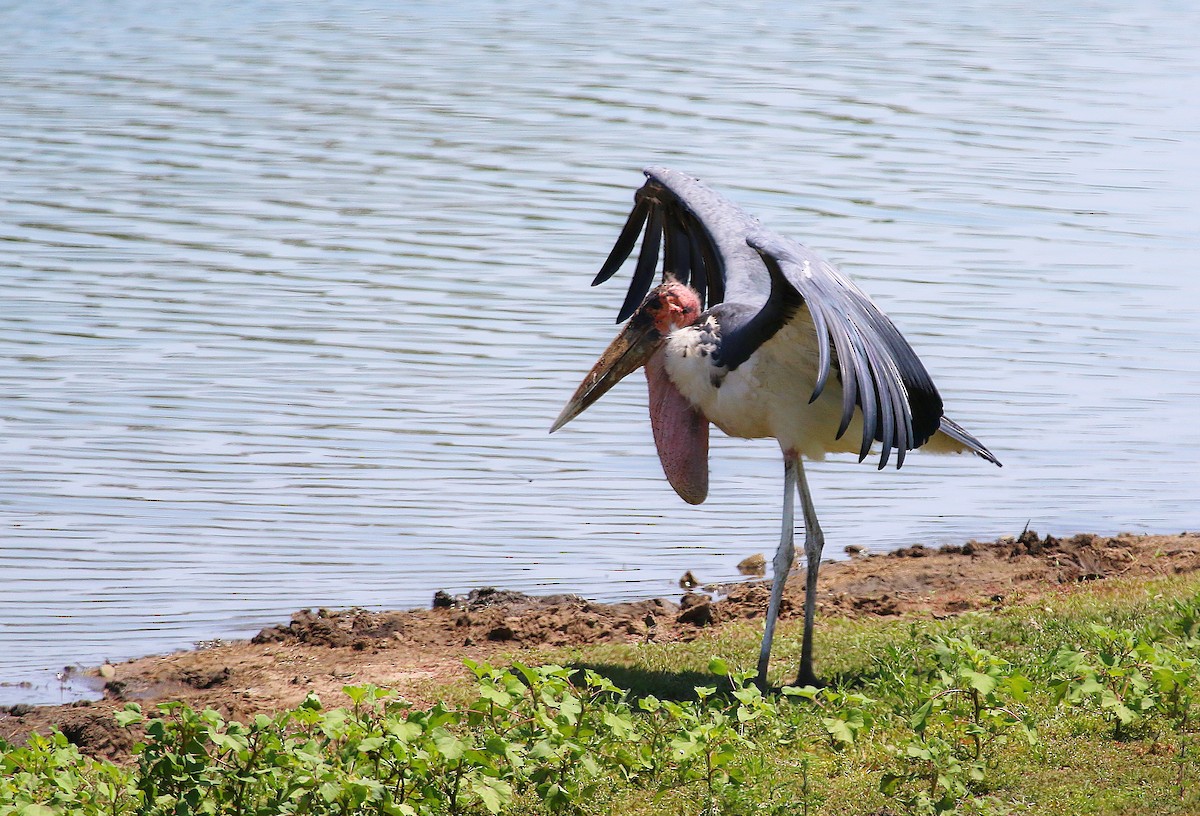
point(782, 564)
point(814, 543)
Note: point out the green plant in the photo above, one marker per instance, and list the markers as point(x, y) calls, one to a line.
point(934, 717)
point(49, 775)
point(965, 715)
point(1130, 677)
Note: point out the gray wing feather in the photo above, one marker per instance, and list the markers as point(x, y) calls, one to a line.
point(879, 371)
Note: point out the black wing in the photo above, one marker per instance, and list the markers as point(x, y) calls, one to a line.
point(702, 238)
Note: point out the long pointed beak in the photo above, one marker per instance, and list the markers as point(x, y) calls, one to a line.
point(626, 354)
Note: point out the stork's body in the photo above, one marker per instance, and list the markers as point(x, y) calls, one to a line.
point(764, 397)
point(790, 349)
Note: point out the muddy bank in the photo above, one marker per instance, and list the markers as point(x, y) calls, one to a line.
point(419, 651)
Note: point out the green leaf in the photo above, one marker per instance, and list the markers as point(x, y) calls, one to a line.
point(620, 724)
point(356, 693)
point(839, 730)
point(494, 793)
point(495, 695)
point(649, 703)
point(983, 683)
point(570, 708)
point(718, 667)
point(369, 744)
point(131, 714)
point(448, 745)
point(748, 695)
point(329, 792)
point(333, 723)
point(921, 715)
point(919, 752)
point(557, 796)
point(1019, 687)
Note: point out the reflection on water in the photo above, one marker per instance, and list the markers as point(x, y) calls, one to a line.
point(293, 291)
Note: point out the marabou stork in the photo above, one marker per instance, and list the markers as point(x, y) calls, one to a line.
point(757, 362)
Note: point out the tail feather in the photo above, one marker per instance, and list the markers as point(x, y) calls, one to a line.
point(958, 434)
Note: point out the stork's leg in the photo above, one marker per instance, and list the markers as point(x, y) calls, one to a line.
point(814, 543)
point(782, 564)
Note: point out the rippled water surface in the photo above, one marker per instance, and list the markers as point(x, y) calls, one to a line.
point(292, 291)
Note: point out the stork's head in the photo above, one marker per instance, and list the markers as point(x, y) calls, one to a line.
point(669, 306)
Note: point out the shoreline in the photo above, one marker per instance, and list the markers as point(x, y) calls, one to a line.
point(418, 652)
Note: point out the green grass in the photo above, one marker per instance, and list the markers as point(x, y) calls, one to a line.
point(1083, 703)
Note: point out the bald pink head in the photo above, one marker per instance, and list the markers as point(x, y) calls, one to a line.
point(670, 306)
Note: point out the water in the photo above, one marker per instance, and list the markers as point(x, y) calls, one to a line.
point(292, 291)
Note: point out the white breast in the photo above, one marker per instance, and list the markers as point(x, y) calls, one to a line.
point(767, 396)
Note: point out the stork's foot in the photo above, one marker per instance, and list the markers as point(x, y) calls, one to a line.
point(808, 677)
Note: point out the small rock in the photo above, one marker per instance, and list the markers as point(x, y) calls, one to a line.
point(855, 550)
point(753, 565)
point(442, 599)
point(108, 671)
point(697, 610)
point(688, 580)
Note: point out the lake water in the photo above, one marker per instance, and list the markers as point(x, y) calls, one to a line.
point(293, 290)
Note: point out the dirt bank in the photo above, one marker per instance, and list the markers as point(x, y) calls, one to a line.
point(419, 651)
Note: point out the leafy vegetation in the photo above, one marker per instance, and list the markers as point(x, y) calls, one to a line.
point(1086, 706)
